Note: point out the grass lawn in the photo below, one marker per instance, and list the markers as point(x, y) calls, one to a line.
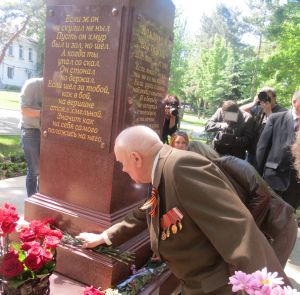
point(193, 119)
point(10, 145)
point(9, 100)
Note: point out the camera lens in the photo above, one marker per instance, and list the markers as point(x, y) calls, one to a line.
point(174, 111)
point(263, 96)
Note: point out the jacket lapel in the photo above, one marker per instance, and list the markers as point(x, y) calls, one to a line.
point(290, 123)
point(154, 221)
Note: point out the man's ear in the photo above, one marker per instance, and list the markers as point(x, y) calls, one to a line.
point(137, 159)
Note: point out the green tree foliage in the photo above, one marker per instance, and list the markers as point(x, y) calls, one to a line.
point(220, 65)
point(180, 54)
point(281, 66)
point(20, 17)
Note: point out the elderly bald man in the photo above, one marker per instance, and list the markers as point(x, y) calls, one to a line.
point(197, 223)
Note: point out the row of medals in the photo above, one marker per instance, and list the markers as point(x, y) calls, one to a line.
point(166, 232)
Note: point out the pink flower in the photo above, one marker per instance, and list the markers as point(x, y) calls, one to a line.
point(287, 290)
point(267, 280)
point(276, 291)
point(260, 282)
point(241, 281)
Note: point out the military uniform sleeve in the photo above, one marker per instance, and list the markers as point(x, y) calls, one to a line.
point(133, 224)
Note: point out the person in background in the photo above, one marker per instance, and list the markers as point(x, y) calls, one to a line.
point(273, 153)
point(171, 122)
point(31, 104)
point(192, 211)
point(296, 153)
point(274, 217)
point(180, 140)
point(262, 106)
point(233, 130)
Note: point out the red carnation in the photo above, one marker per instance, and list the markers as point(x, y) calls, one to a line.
point(7, 227)
point(27, 235)
point(92, 291)
point(36, 250)
point(56, 233)
point(49, 221)
point(36, 226)
point(44, 231)
point(11, 266)
point(8, 219)
point(51, 241)
point(27, 245)
point(33, 262)
point(48, 256)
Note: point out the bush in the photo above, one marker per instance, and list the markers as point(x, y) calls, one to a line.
point(12, 88)
point(12, 166)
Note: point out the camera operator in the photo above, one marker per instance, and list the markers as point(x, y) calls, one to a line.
point(171, 123)
point(262, 106)
point(233, 129)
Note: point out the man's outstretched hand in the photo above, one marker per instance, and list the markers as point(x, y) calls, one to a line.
point(91, 240)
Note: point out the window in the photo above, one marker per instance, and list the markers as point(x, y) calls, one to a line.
point(10, 73)
point(30, 54)
point(21, 52)
point(10, 50)
point(28, 73)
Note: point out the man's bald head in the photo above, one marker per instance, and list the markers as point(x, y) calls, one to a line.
point(136, 148)
point(140, 139)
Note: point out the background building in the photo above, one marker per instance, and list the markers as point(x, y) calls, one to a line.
point(19, 64)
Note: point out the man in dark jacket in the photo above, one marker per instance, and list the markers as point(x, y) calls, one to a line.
point(263, 105)
point(233, 130)
point(273, 154)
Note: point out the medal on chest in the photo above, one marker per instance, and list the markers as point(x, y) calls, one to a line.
point(170, 222)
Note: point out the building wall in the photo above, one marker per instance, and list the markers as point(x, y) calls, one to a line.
point(16, 69)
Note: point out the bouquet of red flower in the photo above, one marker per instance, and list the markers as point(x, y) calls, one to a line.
point(32, 256)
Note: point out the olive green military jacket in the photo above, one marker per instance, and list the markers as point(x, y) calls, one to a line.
point(218, 233)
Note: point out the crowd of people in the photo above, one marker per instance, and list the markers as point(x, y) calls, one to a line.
point(215, 209)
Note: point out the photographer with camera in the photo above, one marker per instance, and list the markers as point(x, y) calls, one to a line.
point(171, 104)
point(262, 106)
point(233, 129)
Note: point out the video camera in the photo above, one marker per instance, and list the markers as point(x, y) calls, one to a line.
point(263, 97)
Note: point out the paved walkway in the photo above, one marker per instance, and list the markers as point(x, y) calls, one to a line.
point(9, 120)
point(13, 190)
